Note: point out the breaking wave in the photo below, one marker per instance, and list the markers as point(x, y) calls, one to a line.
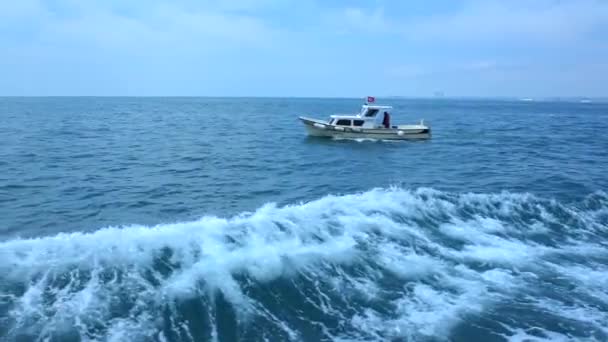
point(387, 264)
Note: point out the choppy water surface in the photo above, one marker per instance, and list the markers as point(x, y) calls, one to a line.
point(195, 219)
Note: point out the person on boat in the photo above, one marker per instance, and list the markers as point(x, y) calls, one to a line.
point(386, 121)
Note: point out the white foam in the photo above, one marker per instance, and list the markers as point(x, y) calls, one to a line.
point(431, 311)
point(377, 231)
point(586, 315)
point(408, 264)
point(524, 335)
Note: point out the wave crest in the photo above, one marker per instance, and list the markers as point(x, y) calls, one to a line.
point(381, 264)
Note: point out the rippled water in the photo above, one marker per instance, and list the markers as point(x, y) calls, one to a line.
point(188, 219)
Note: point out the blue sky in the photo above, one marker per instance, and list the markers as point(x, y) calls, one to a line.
point(304, 48)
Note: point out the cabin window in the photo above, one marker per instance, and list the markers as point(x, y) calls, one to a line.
point(343, 122)
point(358, 123)
point(371, 113)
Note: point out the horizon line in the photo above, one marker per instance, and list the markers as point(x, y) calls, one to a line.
point(527, 97)
point(433, 97)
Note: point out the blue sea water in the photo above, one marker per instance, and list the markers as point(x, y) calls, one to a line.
point(195, 219)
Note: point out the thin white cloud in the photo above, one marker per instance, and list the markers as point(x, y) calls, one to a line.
point(490, 78)
point(214, 46)
point(446, 68)
point(97, 24)
point(19, 9)
point(406, 71)
point(548, 21)
point(358, 19)
point(477, 21)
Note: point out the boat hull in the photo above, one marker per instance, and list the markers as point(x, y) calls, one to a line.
point(318, 128)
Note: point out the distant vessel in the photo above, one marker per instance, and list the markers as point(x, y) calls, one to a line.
point(372, 122)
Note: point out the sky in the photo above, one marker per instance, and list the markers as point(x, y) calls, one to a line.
point(485, 48)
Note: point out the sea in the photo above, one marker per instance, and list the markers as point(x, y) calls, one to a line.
point(219, 219)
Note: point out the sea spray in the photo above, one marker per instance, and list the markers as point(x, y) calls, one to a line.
point(382, 264)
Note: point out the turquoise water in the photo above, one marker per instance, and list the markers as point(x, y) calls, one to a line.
point(192, 219)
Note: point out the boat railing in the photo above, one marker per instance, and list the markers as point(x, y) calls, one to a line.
point(346, 114)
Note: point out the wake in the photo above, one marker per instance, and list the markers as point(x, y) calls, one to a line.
point(387, 263)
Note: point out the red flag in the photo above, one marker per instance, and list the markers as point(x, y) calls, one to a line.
point(371, 99)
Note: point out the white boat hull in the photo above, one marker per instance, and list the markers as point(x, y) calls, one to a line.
point(403, 132)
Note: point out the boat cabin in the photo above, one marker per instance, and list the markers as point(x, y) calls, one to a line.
point(371, 116)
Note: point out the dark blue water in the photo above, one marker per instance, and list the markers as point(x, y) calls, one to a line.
point(193, 219)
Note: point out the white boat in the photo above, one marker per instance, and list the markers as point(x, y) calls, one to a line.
point(372, 122)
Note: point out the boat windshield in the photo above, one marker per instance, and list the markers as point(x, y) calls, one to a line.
point(371, 113)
